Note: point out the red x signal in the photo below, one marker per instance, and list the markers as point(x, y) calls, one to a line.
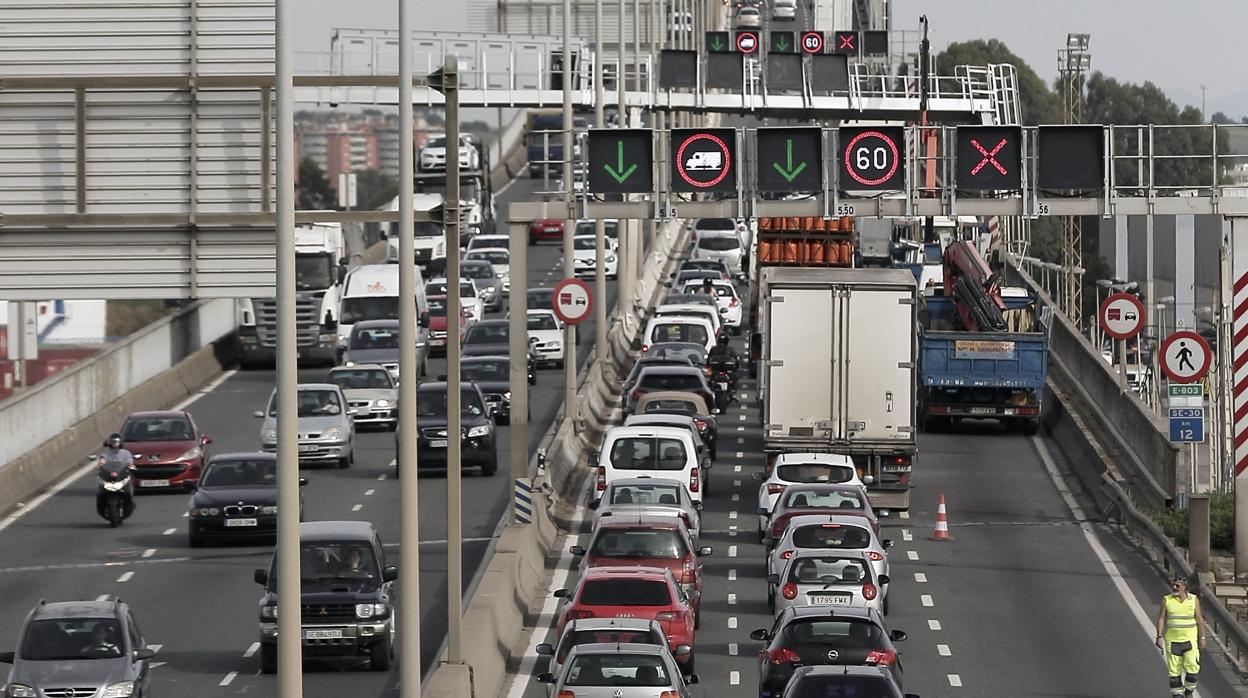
point(847, 41)
point(990, 157)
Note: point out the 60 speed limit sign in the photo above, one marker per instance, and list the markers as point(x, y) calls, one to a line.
point(872, 158)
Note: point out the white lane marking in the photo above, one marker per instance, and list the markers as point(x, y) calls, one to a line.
point(740, 439)
point(170, 531)
point(920, 577)
point(1094, 542)
point(732, 649)
point(732, 574)
point(745, 396)
point(732, 551)
point(125, 576)
point(732, 622)
point(955, 680)
point(732, 599)
point(933, 624)
point(357, 507)
point(369, 493)
point(103, 597)
point(904, 514)
point(736, 468)
point(149, 552)
point(912, 554)
point(740, 428)
point(906, 535)
point(251, 650)
point(927, 600)
point(736, 483)
point(736, 497)
point(229, 679)
point(740, 454)
point(383, 475)
point(186, 514)
point(212, 385)
point(732, 528)
point(734, 677)
point(732, 516)
point(943, 650)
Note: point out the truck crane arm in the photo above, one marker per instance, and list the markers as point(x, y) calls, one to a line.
point(975, 289)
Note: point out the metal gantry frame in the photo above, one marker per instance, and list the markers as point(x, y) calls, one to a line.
point(1073, 61)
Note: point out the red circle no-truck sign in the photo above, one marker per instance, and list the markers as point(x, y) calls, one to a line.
point(1185, 357)
point(572, 301)
point(1122, 315)
point(716, 164)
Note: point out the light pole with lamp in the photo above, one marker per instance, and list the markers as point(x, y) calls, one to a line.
point(1098, 330)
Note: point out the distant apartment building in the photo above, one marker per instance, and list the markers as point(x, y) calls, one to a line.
point(340, 143)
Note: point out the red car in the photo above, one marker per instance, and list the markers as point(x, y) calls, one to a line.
point(546, 229)
point(651, 541)
point(648, 593)
point(438, 324)
point(847, 500)
point(168, 449)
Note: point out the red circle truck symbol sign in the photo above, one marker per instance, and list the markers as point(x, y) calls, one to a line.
point(702, 166)
point(871, 158)
point(1122, 315)
point(572, 301)
point(1185, 357)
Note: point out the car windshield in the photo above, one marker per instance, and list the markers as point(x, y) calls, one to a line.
point(314, 272)
point(369, 308)
point(375, 338)
point(588, 228)
point(329, 561)
point(693, 353)
point(439, 142)
point(679, 332)
point(717, 223)
point(648, 453)
point(542, 321)
point(639, 543)
point(487, 334)
point(240, 473)
point(492, 256)
point(618, 670)
point(814, 472)
point(541, 298)
point(844, 687)
point(437, 307)
point(645, 494)
point(672, 407)
point(428, 229)
point(312, 403)
point(590, 637)
point(720, 291)
point(157, 429)
point(625, 592)
point(486, 371)
point(798, 499)
point(67, 639)
point(718, 243)
point(482, 241)
point(361, 379)
point(831, 536)
point(476, 269)
point(583, 243)
point(432, 403)
point(828, 570)
point(652, 380)
point(855, 634)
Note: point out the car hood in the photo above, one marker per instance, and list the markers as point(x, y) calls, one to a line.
point(546, 335)
point(167, 450)
point(494, 386)
point(318, 424)
point(211, 496)
point(373, 356)
point(433, 150)
point(438, 322)
point(371, 394)
point(661, 563)
point(500, 349)
point(73, 672)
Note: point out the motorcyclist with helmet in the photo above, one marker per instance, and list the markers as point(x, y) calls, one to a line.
point(722, 359)
point(112, 462)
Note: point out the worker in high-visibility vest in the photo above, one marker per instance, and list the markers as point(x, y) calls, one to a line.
point(1181, 637)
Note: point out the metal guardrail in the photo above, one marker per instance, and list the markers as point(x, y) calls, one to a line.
point(1145, 532)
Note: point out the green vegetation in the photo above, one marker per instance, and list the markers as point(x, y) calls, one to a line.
point(1221, 522)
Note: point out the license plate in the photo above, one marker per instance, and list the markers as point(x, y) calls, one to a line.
point(828, 599)
point(322, 634)
point(307, 448)
point(983, 410)
point(235, 523)
point(153, 483)
point(437, 443)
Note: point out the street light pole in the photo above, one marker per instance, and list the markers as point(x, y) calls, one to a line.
point(569, 225)
point(600, 269)
point(454, 427)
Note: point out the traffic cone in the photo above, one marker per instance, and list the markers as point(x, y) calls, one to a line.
point(942, 522)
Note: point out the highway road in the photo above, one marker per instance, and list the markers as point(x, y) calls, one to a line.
point(200, 605)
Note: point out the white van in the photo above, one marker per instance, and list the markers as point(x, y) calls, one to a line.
point(430, 235)
point(372, 293)
point(650, 451)
point(678, 328)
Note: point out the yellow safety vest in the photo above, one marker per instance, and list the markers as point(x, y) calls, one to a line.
point(1180, 619)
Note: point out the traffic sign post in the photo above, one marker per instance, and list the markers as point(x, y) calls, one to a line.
point(718, 42)
point(789, 160)
point(746, 42)
point(872, 159)
point(782, 42)
point(812, 42)
point(1070, 157)
point(989, 158)
point(1185, 357)
point(1122, 317)
point(572, 301)
point(621, 161)
point(703, 160)
point(1187, 424)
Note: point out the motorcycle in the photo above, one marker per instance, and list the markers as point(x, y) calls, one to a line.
point(723, 382)
point(114, 501)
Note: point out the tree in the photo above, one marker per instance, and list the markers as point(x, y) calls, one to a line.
point(374, 189)
point(314, 192)
point(1037, 103)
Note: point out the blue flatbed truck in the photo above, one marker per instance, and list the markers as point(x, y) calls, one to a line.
point(982, 375)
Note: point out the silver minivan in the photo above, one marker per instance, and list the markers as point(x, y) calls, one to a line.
point(326, 424)
point(624, 670)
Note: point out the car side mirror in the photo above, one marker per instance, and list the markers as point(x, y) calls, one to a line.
point(756, 477)
point(93, 456)
point(303, 481)
point(884, 579)
point(762, 511)
point(723, 311)
point(144, 654)
point(760, 635)
point(691, 679)
point(259, 414)
point(560, 593)
point(705, 550)
point(577, 550)
point(352, 412)
point(205, 441)
point(868, 479)
point(773, 579)
point(545, 677)
point(768, 541)
point(593, 460)
point(887, 542)
point(682, 650)
point(389, 573)
point(422, 320)
point(7, 657)
point(898, 636)
point(260, 576)
point(594, 504)
point(545, 649)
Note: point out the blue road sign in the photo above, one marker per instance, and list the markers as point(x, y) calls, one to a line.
point(1187, 424)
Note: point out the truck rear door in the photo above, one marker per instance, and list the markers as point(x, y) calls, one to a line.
point(799, 379)
point(877, 372)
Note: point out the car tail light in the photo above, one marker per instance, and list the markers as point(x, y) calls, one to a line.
point(636, 394)
point(786, 555)
point(789, 591)
point(700, 424)
point(775, 488)
point(667, 616)
point(694, 479)
point(688, 570)
point(783, 655)
point(580, 614)
point(733, 303)
point(771, 463)
point(602, 478)
point(669, 694)
point(645, 348)
point(900, 459)
point(1029, 411)
point(869, 591)
point(881, 657)
point(904, 479)
point(685, 517)
point(566, 694)
point(778, 525)
point(938, 409)
point(874, 556)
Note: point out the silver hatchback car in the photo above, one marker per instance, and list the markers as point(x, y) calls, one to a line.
point(626, 670)
point(326, 425)
point(829, 578)
point(649, 496)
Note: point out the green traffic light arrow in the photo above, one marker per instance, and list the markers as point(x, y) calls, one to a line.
point(620, 174)
point(782, 43)
point(717, 44)
point(789, 173)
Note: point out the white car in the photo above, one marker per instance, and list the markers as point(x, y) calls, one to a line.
point(481, 241)
point(585, 258)
point(500, 258)
point(469, 296)
point(726, 299)
point(823, 532)
point(433, 155)
point(802, 469)
point(784, 9)
point(724, 246)
point(696, 310)
point(748, 17)
point(546, 337)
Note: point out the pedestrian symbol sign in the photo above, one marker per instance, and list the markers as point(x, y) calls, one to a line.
point(1185, 357)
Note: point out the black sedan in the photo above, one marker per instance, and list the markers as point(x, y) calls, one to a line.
point(492, 374)
point(478, 433)
point(819, 635)
point(236, 499)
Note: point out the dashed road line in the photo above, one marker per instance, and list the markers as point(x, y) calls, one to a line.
point(734, 677)
point(740, 428)
point(251, 650)
point(740, 439)
point(955, 680)
point(904, 514)
point(125, 576)
point(732, 622)
point(357, 507)
point(384, 475)
point(736, 483)
point(943, 650)
point(912, 554)
point(732, 649)
point(742, 418)
point(736, 468)
point(170, 531)
point(732, 599)
point(732, 551)
point(906, 535)
point(736, 497)
point(369, 493)
point(920, 577)
point(933, 624)
point(149, 552)
point(229, 679)
point(740, 454)
point(103, 597)
point(927, 600)
point(732, 574)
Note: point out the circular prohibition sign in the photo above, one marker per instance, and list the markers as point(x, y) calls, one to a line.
point(723, 171)
point(892, 169)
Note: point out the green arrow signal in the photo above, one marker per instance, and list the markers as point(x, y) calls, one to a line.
point(620, 174)
point(782, 43)
point(789, 173)
point(717, 44)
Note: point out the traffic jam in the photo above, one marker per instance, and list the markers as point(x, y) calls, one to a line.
point(627, 621)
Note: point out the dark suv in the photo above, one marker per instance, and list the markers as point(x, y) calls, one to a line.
point(477, 429)
point(347, 605)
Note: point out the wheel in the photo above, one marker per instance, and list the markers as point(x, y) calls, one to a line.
point(886, 604)
point(488, 469)
point(195, 541)
point(688, 667)
point(697, 619)
point(532, 240)
point(559, 363)
point(380, 655)
point(268, 658)
point(1031, 426)
point(344, 462)
point(113, 512)
point(771, 597)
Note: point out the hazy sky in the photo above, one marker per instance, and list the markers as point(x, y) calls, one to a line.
point(1177, 45)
